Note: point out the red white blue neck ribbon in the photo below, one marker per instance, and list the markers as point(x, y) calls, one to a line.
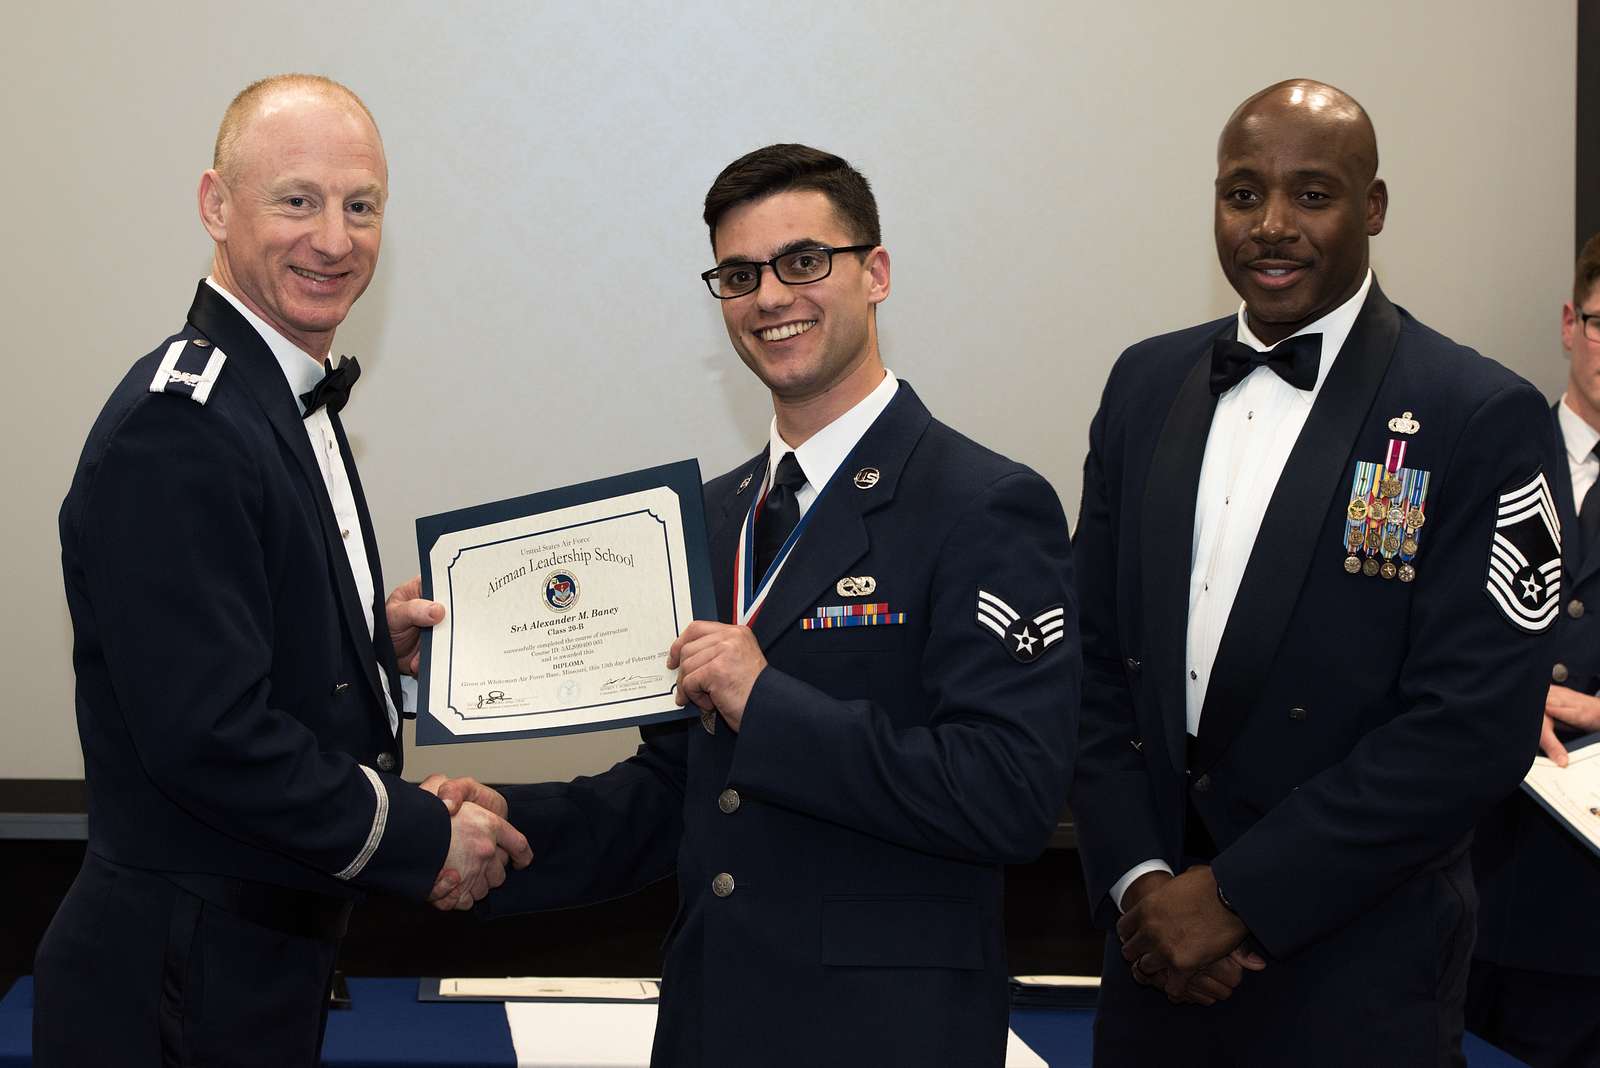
point(749, 594)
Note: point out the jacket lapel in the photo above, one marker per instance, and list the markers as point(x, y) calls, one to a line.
point(1574, 553)
point(382, 644)
point(725, 533)
point(252, 360)
point(1293, 525)
point(1167, 550)
point(836, 532)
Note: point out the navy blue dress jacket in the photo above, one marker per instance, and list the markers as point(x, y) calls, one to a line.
point(881, 778)
point(227, 686)
point(1355, 728)
point(1538, 886)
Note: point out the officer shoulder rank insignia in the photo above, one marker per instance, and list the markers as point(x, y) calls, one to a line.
point(189, 369)
point(1025, 639)
point(1525, 557)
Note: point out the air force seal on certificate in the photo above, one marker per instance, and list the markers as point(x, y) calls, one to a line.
point(1025, 639)
point(1525, 557)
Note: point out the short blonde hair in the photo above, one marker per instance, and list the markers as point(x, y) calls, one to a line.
point(225, 156)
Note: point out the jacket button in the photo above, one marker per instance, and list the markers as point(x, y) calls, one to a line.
point(1202, 784)
point(728, 800)
point(1575, 608)
point(1559, 673)
point(1297, 713)
point(722, 885)
point(1133, 663)
point(385, 761)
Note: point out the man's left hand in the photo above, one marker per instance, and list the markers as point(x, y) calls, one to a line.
point(717, 665)
point(408, 613)
point(1181, 927)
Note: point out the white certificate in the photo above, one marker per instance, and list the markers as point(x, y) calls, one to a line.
point(560, 607)
point(1571, 794)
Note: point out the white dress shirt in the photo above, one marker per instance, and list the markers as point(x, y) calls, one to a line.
point(303, 373)
point(822, 453)
point(1253, 430)
point(1579, 439)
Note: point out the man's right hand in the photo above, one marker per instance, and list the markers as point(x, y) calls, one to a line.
point(1572, 709)
point(1214, 982)
point(481, 844)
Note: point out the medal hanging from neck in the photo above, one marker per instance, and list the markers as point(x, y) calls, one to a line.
point(749, 589)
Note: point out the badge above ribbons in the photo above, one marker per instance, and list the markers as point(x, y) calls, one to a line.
point(1025, 639)
point(1525, 557)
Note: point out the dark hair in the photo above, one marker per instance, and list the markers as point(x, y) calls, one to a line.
point(1588, 272)
point(781, 168)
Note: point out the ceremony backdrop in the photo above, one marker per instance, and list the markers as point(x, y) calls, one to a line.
point(1044, 172)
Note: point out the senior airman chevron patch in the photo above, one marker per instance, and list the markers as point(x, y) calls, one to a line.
point(1025, 639)
point(1525, 557)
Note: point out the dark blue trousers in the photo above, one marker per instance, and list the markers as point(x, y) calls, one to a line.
point(135, 970)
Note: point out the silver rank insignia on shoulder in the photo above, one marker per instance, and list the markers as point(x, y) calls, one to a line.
point(189, 368)
point(866, 478)
point(856, 585)
point(1525, 557)
point(1025, 639)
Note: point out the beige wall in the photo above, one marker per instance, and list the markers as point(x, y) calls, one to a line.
point(1044, 172)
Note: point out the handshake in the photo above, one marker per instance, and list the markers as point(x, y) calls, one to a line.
point(482, 843)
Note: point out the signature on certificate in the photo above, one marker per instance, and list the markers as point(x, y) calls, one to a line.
point(493, 697)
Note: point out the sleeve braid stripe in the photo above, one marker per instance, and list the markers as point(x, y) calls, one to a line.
point(380, 817)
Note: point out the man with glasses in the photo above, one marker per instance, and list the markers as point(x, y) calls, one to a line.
point(1315, 556)
point(1535, 984)
point(887, 709)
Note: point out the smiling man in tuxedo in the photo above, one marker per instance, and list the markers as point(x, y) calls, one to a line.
point(887, 702)
point(1317, 559)
point(237, 665)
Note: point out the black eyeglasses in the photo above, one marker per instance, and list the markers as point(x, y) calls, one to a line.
point(1589, 321)
point(798, 268)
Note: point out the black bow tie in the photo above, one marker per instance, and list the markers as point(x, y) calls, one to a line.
point(334, 389)
point(1294, 360)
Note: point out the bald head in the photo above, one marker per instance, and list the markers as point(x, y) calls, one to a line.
point(1313, 104)
point(266, 96)
point(1297, 199)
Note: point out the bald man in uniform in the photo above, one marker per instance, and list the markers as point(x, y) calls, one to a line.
point(1318, 559)
point(237, 666)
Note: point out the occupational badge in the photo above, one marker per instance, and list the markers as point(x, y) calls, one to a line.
point(1025, 639)
point(1525, 557)
point(855, 585)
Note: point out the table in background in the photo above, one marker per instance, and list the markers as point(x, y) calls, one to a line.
point(387, 1027)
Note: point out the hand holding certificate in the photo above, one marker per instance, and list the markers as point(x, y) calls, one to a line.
point(561, 607)
point(1571, 794)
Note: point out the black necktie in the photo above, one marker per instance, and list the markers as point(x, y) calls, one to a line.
point(1294, 360)
point(334, 389)
point(779, 512)
point(1589, 514)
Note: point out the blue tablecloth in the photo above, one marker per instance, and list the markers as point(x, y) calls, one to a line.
point(387, 1027)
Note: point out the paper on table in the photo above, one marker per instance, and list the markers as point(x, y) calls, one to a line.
point(574, 1034)
point(1572, 793)
point(1076, 981)
point(554, 1034)
point(1018, 1055)
point(541, 987)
